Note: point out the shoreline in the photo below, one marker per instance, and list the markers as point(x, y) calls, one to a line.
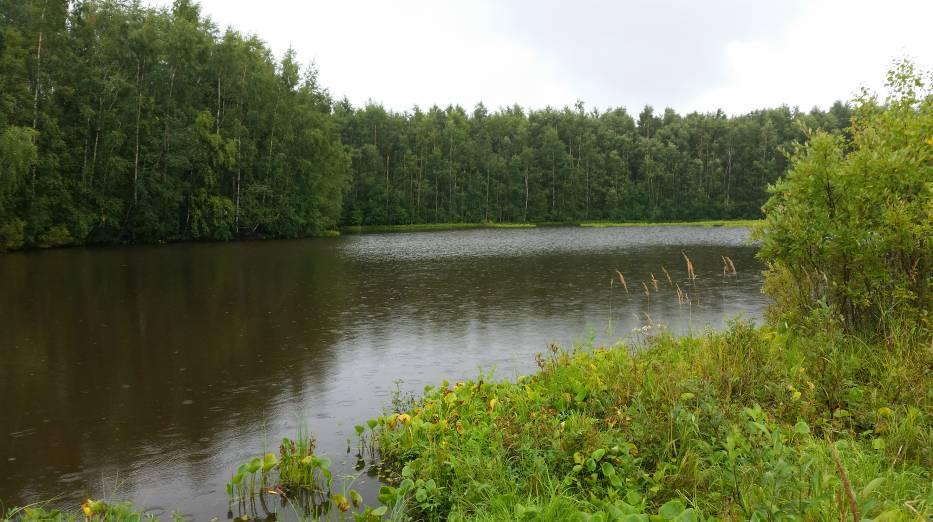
point(439, 227)
point(691, 414)
point(416, 227)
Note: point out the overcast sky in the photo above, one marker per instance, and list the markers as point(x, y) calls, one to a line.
point(690, 55)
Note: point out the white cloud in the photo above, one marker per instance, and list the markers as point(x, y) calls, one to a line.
point(728, 54)
point(829, 51)
point(401, 54)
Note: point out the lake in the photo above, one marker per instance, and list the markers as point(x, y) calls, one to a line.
point(149, 373)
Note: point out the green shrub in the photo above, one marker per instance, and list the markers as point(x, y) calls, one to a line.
point(212, 217)
point(57, 236)
point(11, 234)
point(851, 224)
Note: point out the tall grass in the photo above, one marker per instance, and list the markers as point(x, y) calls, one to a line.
point(731, 425)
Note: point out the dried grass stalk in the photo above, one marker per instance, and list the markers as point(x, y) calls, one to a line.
point(847, 487)
point(622, 280)
point(728, 267)
point(690, 273)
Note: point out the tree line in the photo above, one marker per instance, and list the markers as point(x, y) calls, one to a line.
point(121, 122)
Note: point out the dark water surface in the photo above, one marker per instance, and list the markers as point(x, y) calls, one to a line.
point(150, 373)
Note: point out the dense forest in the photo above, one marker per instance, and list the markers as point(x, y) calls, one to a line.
point(121, 122)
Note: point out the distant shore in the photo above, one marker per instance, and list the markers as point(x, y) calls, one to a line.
point(424, 227)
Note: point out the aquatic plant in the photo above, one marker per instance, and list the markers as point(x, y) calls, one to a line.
point(372, 424)
point(622, 280)
point(295, 473)
point(360, 435)
point(728, 267)
point(690, 273)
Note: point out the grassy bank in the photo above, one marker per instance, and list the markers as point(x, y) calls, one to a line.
point(745, 424)
point(751, 423)
point(739, 223)
point(423, 227)
point(429, 227)
point(90, 510)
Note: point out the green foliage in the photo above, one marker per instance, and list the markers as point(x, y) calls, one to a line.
point(57, 236)
point(17, 158)
point(18, 153)
point(91, 511)
point(850, 225)
point(450, 165)
point(11, 234)
point(297, 469)
point(151, 124)
point(212, 217)
point(732, 425)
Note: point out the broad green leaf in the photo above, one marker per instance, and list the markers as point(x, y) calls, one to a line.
point(671, 509)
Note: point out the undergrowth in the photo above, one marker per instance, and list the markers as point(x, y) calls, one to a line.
point(90, 510)
point(745, 424)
